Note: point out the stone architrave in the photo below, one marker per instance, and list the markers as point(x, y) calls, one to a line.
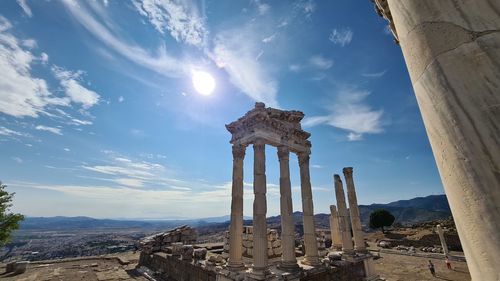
point(334, 229)
point(235, 262)
point(344, 228)
point(357, 230)
point(311, 247)
point(260, 259)
point(288, 259)
point(452, 50)
point(440, 232)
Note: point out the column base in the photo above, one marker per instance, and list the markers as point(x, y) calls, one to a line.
point(289, 266)
point(311, 261)
point(236, 266)
point(258, 273)
point(362, 251)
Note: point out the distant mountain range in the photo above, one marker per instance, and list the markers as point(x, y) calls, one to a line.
point(411, 211)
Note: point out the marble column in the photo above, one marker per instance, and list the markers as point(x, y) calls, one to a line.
point(334, 229)
point(344, 227)
point(236, 227)
point(311, 257)
point(440, 232)
point(288, 259)
point(452, 51)
point(260, 262)
point(357, 230)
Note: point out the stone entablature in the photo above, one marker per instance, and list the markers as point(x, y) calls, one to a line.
point(276, 127)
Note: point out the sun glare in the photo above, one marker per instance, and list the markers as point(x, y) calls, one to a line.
point(203, 82)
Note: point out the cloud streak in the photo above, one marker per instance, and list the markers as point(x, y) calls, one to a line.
point(341, 36)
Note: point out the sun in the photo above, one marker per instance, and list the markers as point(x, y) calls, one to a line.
point(203, 82)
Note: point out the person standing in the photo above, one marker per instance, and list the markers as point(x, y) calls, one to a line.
point(447, 261)
point(431, 268)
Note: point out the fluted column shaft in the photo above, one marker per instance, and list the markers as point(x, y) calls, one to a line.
point(260, 261)
point(288, 259)
point(344, 228)
point(236, 227)
point(334, 228)
point(357, 229)
point(311, 255)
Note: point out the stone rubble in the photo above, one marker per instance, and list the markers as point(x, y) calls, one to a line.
point(160, 241)
point(273, 243)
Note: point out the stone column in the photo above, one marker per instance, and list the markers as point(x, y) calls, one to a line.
point(311, 257)
point(452, 50)
point(259, 269)
point(357, 230)
point(334, 229)
point(439, 230)
point(288, 260)
point(344, 228)
point(236, 227)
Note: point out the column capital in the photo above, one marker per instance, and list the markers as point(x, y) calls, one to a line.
point(337, 178)
point(333, 208)
point(283, 153)
point(259, 144)
point(239, 151)
point(347, 172)
point(303, 158)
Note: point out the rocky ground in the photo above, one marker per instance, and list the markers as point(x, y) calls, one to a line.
point(88, 269)
point(395, 267)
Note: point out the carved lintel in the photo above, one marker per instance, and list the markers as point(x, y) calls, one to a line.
point(382, 9)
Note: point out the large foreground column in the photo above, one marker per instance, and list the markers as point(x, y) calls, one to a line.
point(344, 228)
point(357, 230)
point(452, 50)
point(311, 257)
point(439, 230)
point(334, 229)
point(288, 259)
point(259, 211)
point(236, 227)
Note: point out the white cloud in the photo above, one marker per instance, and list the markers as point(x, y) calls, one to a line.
point(29, 43)
point(44, 58)
point(375, 74)
point(129, 182)
point(74, 90)
point(8, 132)
point(269, 38)
point(320, 62)
point(315, 166)
point(307, 7)
point(25, 7)
point(53, 130)
point(341, 37)
point(295, 67)
point(180, 18)
point(66, 149)
point(121, 99)
point(236, 52)
point(262, 8)
point(79, 122)
point(351, 113)
point(17, 160)
point(162, 62)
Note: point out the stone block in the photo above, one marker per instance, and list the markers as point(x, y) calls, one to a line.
point(200, 254)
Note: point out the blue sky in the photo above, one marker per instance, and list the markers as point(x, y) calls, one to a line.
point(99, 116)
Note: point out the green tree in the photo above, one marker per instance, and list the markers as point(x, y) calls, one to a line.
point(8, 221)
point(381, 218)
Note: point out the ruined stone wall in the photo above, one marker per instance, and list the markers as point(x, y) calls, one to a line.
point(173, 268)
point(160, 241)
point(273, 243)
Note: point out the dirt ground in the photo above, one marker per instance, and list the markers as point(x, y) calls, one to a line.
point(82, 270)
point(395, 267)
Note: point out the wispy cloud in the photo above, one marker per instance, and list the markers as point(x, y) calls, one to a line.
point(236, 51)
point(350, 112)
point(25, 7)
point(341, 36)
point(70, 81)
point(374, 74)
point(8, 132)
point(180, 18)
point(306, 6)
point(319, 61)
point(162, 62)
point(18, 160)
point(53, 130)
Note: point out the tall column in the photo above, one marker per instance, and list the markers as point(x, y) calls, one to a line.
point(344, 228)
point(452, 51)
point(259, 211)
point(357, 230)
point(236, 228)
point(311, 257)
point(288, 259)
point(334, 229)
point(439, 230)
